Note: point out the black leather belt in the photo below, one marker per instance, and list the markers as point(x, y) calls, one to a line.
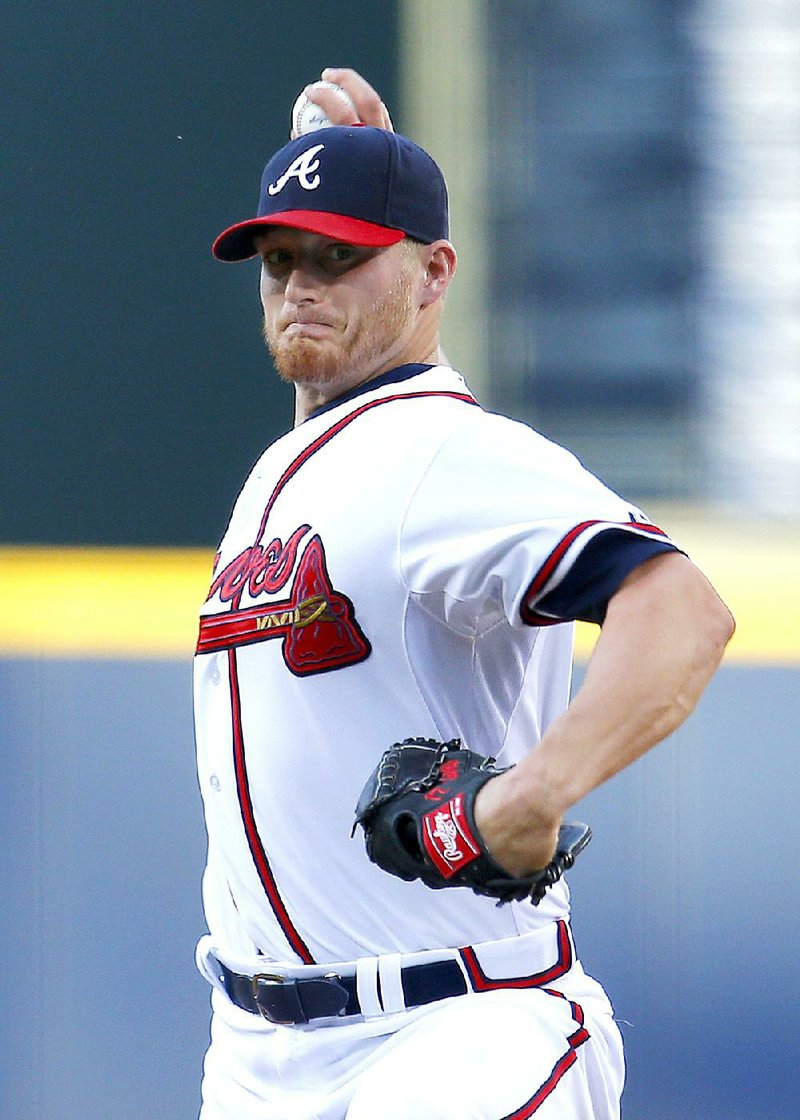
point(292, 1002)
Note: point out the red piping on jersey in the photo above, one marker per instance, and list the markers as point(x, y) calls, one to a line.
point(251, 830)
point(320, 441)
point(539, 581)
point(482, 983)
point(242, 782)
point(565, 1062)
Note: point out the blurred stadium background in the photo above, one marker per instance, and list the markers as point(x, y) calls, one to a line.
point(624, 178)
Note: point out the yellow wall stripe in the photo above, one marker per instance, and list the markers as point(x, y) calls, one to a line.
point(132, 603)
point(101, 602)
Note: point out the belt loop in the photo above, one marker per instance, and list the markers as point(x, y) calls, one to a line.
point(389, 974)
point(367, 986)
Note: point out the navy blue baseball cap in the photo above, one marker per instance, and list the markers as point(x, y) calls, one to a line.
point(355, 183)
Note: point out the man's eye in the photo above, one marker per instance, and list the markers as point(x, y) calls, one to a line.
point(273, 258)
point(341, 252)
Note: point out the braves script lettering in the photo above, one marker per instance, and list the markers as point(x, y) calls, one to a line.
point(258, 569)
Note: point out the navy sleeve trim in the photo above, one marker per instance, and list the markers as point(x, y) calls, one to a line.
point(593, 578)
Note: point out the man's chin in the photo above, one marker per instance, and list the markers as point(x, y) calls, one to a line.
point(306, 361)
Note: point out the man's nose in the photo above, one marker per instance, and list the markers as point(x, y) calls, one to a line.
point(302, 284)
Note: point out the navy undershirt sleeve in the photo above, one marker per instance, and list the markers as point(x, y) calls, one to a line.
point(607, 559)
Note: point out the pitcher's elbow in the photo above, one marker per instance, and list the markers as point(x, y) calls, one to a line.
point(720, 624)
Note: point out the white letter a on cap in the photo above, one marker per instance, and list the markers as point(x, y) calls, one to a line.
point(302, 169)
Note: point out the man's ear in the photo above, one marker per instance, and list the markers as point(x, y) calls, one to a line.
point(440, 269)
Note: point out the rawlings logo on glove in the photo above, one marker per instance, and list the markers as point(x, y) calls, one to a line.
point(417, 812)
point(448, 840)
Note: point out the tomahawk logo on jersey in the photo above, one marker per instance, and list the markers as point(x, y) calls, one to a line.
point(316, 624)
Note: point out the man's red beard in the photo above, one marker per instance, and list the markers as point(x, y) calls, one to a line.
point(322, 361)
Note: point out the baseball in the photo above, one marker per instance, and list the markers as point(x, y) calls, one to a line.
point(308, 117)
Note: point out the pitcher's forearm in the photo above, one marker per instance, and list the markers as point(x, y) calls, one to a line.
point(664, 635)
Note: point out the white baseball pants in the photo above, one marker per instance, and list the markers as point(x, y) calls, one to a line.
point(495, 1055)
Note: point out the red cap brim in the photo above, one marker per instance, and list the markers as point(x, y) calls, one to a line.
point(236, 242)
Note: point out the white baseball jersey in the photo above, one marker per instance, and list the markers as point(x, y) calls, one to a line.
point(393, 567)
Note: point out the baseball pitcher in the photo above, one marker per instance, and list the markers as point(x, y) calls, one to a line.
point(387, 751)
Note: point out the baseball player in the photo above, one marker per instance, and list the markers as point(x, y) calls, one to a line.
point(385, 745)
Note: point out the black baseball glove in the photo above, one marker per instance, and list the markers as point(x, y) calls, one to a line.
point(417, 812)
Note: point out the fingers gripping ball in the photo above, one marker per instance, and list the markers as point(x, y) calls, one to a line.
point(417, 812)
point(308, 117)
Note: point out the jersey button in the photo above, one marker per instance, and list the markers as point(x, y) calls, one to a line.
point(215, 676)
point(214, 782)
